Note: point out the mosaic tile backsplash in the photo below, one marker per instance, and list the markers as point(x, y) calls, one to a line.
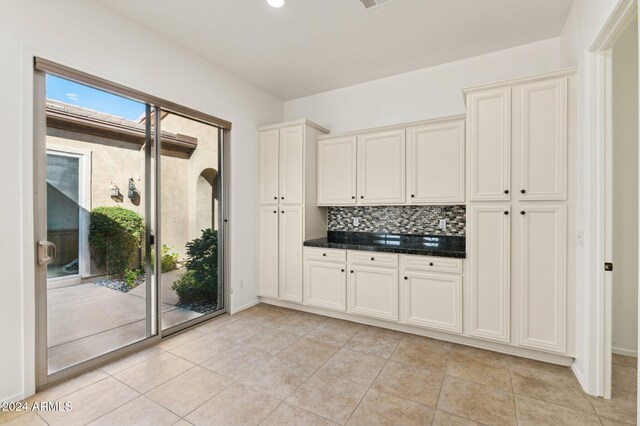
point(422, 220)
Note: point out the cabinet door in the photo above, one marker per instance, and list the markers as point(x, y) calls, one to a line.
point(435, 163)
point(489, 139)
point(373, 292)
point(268, 161)
point(489, 290)
point(381, 167)
point(268, 251)
point(543, 277)
point(432, 300)
point(290, 253)
point(543, 140)
point(291, 177)
point(337, 171)
point(325, 285)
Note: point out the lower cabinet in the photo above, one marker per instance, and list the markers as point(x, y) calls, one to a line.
point(268, 251)
point(432, 300)
point(325, 285)
point(373, 292)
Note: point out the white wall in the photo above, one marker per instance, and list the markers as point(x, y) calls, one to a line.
point(423, 94)
point(87, 36)
point(585, 21)
point(625, 192)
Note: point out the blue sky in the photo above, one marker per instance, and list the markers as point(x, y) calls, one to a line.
point(88, 97)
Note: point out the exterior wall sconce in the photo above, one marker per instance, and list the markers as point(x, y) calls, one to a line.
point(132, 189)
point(114, 191)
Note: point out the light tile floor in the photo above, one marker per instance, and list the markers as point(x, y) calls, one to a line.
point(274, 366)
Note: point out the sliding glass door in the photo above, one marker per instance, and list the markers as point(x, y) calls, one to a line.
point(129, 248)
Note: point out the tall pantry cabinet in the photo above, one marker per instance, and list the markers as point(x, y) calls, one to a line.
point(287, 208)
point(521, 199)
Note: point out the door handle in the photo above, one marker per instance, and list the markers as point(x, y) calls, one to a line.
point(46, 252)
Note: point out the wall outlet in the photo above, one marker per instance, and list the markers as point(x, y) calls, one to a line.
point(442, 225)
point(356, 221)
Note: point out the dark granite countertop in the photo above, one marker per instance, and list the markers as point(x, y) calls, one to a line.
point(426, 245)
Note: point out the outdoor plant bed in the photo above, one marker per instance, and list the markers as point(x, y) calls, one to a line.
point(201, 308)
point(121, 285)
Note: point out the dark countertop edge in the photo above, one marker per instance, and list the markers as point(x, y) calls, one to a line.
point(419, 252)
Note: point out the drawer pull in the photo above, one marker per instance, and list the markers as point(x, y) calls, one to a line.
point(324, 254)
point(351, 271)
point(373, 258)
point(341, 270)
point(406, 278)
point(430, 263)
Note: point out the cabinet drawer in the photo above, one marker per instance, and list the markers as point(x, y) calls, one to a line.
point(327, 255)
point(373, 258)
point(430, 263)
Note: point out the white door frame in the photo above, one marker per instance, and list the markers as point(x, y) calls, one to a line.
point(599, 184)
point(84, 202)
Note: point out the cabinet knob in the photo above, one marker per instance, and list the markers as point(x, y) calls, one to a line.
point(362, 196)
point(282, 211)
point(353, 197)
point(506, 212)
point(282, 198)
point(523, 212)
point(351, 271)
point(373, 258)
point(430, 263)
point(522, 191)
point(341, 270)
point(506, 191)
point(275, 211)
point(275, 198)
point(406, 278)
point(413, 196)
point(324, 254)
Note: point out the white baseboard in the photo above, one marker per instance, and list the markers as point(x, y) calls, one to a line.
point(579, 376)
point(13, 398)
point(243, 307)
point(625, 352)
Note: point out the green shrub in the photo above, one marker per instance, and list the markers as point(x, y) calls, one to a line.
point(115, 234)
point(130, 277)
point(199, 284)
point(168, 261)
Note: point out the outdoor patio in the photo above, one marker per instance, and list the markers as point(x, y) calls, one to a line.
point(88, 320)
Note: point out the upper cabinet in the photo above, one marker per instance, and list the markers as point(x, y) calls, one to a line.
point(291, 165)
point(526, 120)
point(268, 166)
point(337, 171)
point(381, 167)
point(421, 163)
point(489, 138)
point(542, 120)
point(435, 162)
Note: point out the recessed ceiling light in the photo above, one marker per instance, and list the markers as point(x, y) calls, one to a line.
point(276, 3)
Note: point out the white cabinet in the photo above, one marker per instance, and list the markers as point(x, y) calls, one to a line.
point(542, 119)
point(291, 169)
point(435, 162)
point(489, 248)
point(432, 300)
point(542, 277)
point(337, 171)
point(268, 162)
point(290, 237)
point(325, 281)
point(381, 167)
point(373, 292)
point(268, 251)
point(286, 169)
point(489, 139)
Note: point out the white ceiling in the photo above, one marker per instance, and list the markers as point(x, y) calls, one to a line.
point(311, 46)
